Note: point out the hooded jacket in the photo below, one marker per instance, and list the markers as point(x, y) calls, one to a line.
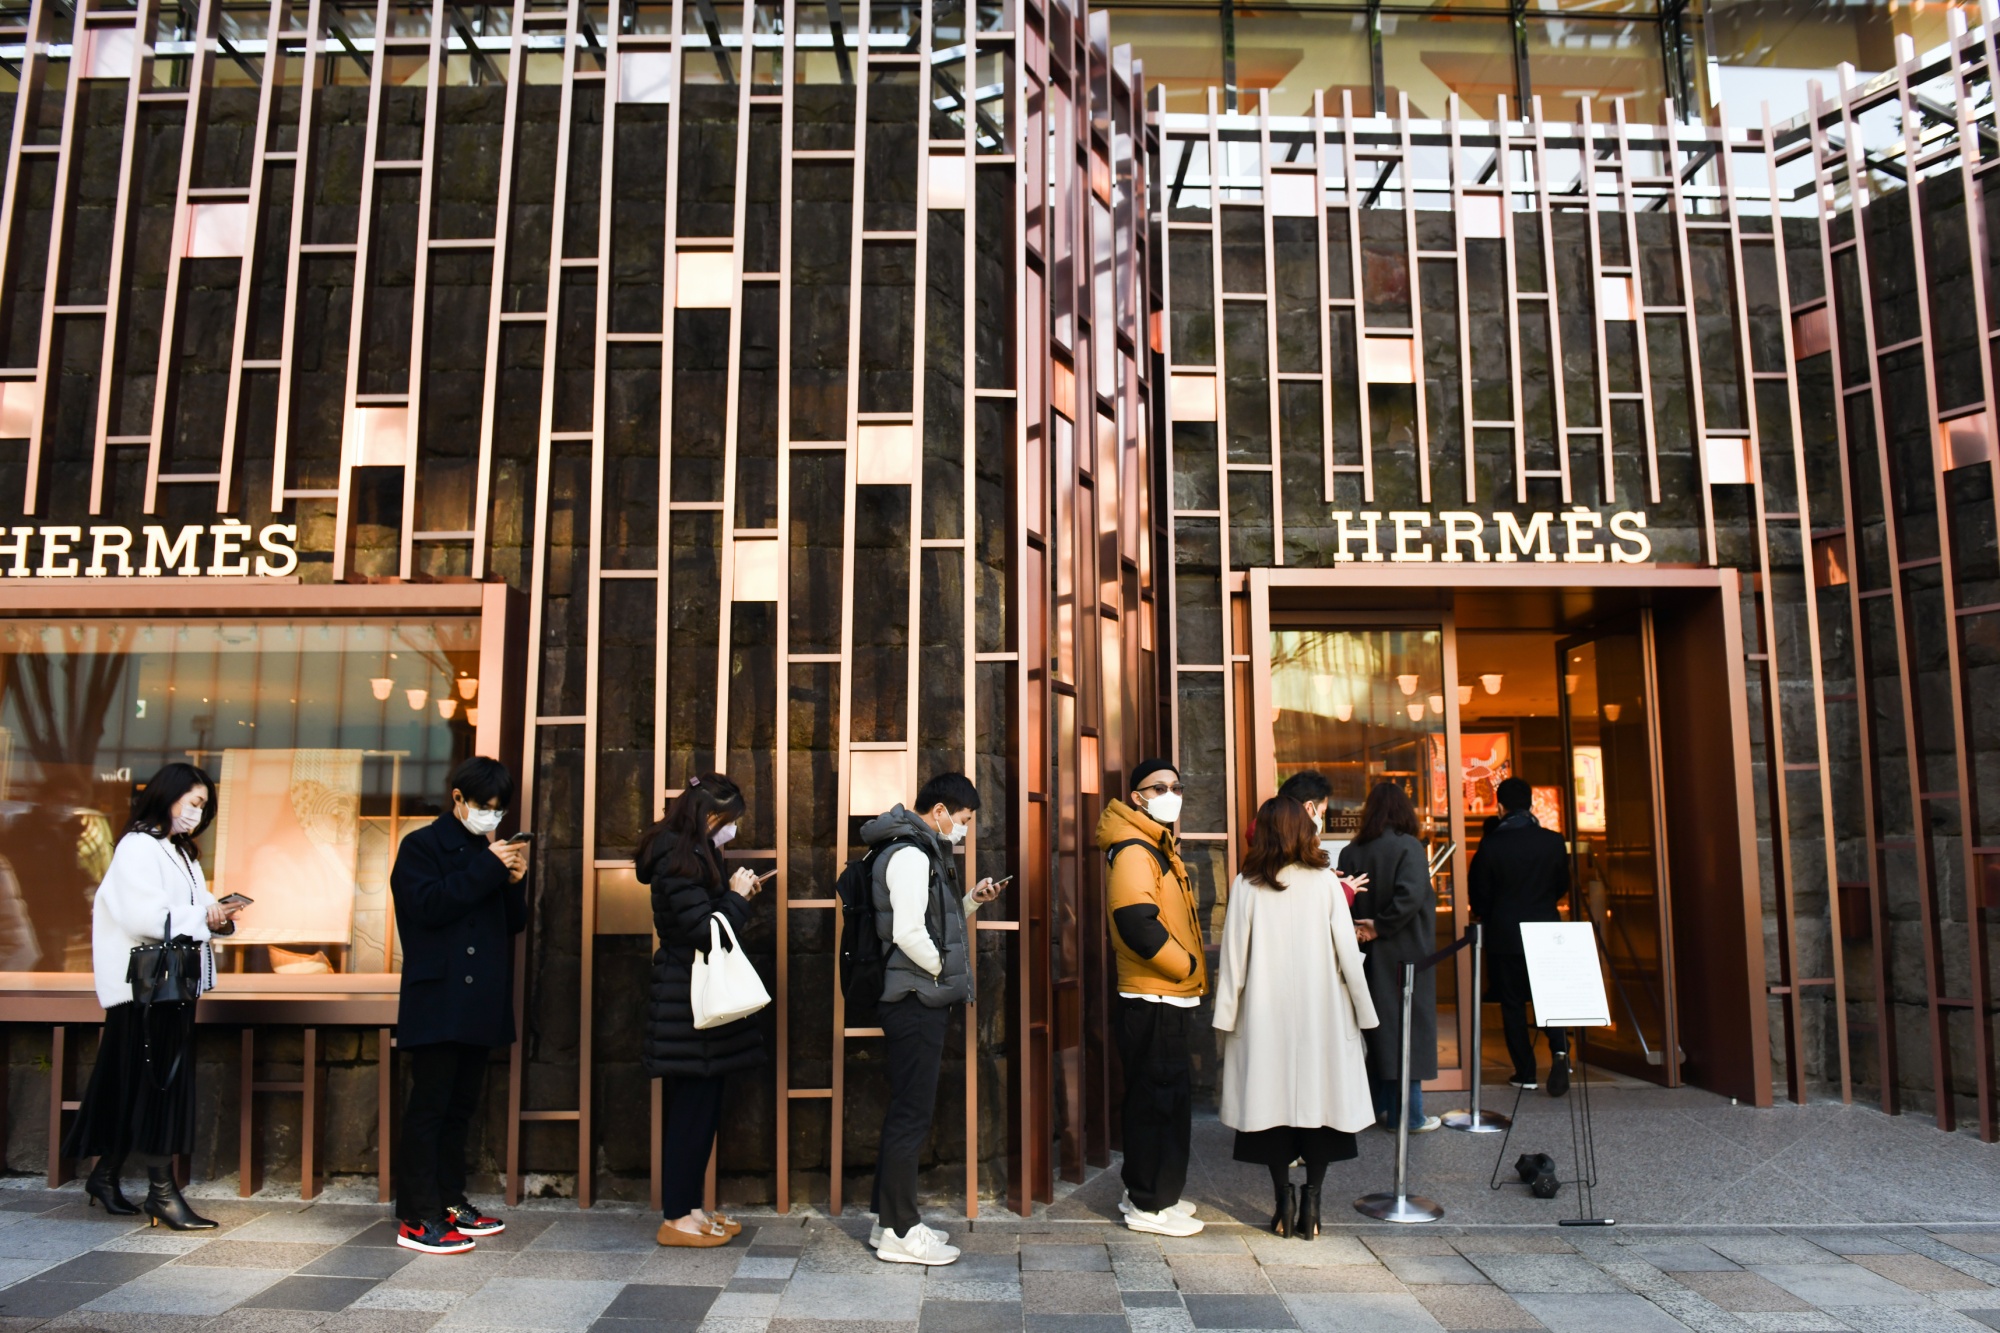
point(944, 915)
point(1155, 920)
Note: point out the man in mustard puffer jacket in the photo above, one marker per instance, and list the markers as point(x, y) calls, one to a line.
point(1162, 974)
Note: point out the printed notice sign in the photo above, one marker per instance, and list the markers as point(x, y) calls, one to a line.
point(1563, 974)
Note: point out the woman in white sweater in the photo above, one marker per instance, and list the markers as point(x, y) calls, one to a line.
point(1292, 998)
point(139, 1107)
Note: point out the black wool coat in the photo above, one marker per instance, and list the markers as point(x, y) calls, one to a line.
point(1520, 873)
point(682, 908)
point(1400, 901)
point(457, 916)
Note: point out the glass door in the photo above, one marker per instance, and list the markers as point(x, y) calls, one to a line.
point(1618, 847)
point(1363, 704)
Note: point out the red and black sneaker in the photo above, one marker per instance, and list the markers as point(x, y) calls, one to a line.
point(469, 1221)
point(438, 1237)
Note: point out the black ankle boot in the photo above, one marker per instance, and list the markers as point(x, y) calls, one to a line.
point(1281, 1221)
point(165, 1204)
point(1306, 1224)
point(102, 1187)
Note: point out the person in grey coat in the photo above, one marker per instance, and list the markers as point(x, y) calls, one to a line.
point(1398, 913)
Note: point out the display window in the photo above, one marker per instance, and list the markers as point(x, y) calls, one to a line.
point(330, 739)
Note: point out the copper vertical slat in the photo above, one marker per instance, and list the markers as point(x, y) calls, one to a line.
point(302, 169)
point(58, 235)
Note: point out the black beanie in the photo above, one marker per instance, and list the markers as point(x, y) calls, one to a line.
point(1146, 769)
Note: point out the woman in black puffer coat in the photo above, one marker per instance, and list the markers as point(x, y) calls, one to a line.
point(681, 857)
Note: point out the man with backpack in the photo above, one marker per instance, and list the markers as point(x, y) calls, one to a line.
point(924, 962)
point(1162, 975)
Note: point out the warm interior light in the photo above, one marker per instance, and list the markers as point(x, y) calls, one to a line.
point(1416, 712)
point(417, 698)
point(1344, 712)
point(1437, 703)
point(1408, 684)
point(471, 717)
point(446, 707)
point(1569, 684)
point(1464, 695)
point(381, 685)
point(469, 687)
point(1490, 682)
point(1611, 712)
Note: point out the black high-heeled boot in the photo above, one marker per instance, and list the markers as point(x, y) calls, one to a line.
point(102, 1187)
point(1281, 1220)
point(165, 1204)
point(1305, 1225)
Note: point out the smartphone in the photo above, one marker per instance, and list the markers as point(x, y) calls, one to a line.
point(767, 876)
point(522, 837)
point(1003, 882)
point(234, 900)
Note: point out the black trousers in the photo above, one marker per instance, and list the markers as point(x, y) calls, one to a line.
point(445, 1083)
point(914, 1034)
point(1507, 981)
point(693, 1114)
point(1159, 1100)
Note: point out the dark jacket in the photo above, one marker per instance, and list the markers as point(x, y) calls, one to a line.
point(1400, 901)
point(1520, 873)
point(457, 916)
point(944, 915)
point(682, 907)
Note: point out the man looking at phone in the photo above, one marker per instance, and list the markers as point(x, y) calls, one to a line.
point(460, 900)
point(922, 923)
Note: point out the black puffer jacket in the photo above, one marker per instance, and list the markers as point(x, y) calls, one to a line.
point(681, 912)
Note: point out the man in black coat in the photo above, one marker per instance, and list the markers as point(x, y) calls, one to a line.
point(460, 900)
point(1520, 873)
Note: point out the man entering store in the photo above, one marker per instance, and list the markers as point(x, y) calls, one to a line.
point(1520, 873)
point(1162, 974)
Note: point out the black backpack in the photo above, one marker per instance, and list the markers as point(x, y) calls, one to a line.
point(863, 955)
point(1111, 853)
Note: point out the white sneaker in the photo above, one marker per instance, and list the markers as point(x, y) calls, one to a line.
point(919, 1245)
point(876, 1232)
point(1431, 1122)
point(1185, 1207)
point(1166, 1222)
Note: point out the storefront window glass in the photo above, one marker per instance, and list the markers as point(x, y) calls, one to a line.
point(1763, 51)
point(329, 740)
point(1431, 56)
point(1181, 48)
point(1605, 60)
point(1293, 53)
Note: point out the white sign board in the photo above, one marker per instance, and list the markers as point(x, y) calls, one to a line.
point(1563, 974)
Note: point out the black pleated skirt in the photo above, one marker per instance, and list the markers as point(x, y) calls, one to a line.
point(1282, 1145)
point(140, 1100)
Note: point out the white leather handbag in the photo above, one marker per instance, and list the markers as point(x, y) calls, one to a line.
point(726, 985)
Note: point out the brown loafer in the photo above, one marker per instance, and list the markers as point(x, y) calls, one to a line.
point(729, 1225)
point(669, 1234)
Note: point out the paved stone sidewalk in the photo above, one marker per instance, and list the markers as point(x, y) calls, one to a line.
point(333, 1266)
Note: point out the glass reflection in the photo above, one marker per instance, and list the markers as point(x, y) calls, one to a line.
point(329, 740)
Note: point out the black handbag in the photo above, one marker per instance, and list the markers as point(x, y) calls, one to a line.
point(168, 972)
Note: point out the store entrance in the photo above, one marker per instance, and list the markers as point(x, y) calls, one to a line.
point(1456, 690)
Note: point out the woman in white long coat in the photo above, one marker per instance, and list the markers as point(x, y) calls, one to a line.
point(1292, 999)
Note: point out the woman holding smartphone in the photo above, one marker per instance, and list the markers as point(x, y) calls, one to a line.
point(139, 1107)
point(681, 857)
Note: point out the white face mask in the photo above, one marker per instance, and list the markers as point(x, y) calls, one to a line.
point(188, 820)
point(1165, 808)
point(723, 835)
point(1319, 821)
point(481, 822)
point(957, 834)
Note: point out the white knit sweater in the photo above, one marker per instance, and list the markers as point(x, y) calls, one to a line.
point(149, 885)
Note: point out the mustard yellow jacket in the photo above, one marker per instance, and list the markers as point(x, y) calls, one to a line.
point(1155, 920)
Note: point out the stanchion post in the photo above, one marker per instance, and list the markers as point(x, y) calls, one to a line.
point(1473, 1121)
point(1402, 1206)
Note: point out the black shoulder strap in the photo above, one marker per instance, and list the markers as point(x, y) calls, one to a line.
point(1111, 853)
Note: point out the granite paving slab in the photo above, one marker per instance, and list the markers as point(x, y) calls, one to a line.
point(1484, 1308)
point(1842, 1284)
point(1544, 1273)
point(1362, 1312)
point(552, 1305)
point(1740, 1291)
point(174, 1290)
point(1434, 1269)
point(319, 1294)
point(1240, 1312)
point(1593, 1312)
point(1070, 1293)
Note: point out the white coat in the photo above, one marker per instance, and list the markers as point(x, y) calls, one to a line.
point(1292, 998)
point(148, 885)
